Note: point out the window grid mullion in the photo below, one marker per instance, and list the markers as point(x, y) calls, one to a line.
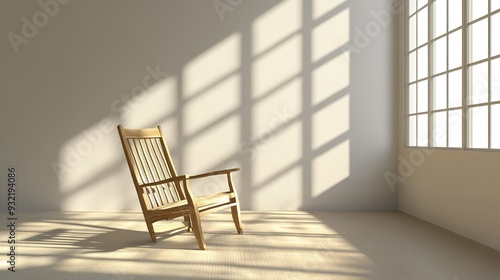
point(407, 73)
point(483, 104)
point(465, 70)
point(447, 32)
point(477, 20)
point(483, 60)
point(490, 14)
point(447, 71)
point(416, 76)
point(489, 74)
point(418, 10)
point(439, 110)
point(442, 73)
point(430, 62)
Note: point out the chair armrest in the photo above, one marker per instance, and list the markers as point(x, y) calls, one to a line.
point(169, 180)
point(187, 177)
point(218, 172)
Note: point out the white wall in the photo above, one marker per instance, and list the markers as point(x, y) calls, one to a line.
point(456, 190)
point(291, 91)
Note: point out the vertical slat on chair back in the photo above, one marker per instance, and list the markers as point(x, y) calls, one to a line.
point(149, 161)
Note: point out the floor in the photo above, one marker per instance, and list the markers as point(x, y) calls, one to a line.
point(275, 245)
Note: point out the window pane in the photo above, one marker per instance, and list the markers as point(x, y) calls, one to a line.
point(455, 129)
point(455, 15)
point(439, 127)
point(495, 80)
point(422, 127)
point(479, 127)
point(477, 8)
point(478, 91)
point(412, 131)
point(478, 40)
point(439, 18)
point(412, 99)
point(423, 60)
point(495, 126)
point(495, 31)
point(455, 89)
point(412, 32)
point(422, 26)
point(439, 92)
point(412, 6)
point(422, 96)
point(439, 57)
point(455, 49)
point(412, 60)
point(495, 5)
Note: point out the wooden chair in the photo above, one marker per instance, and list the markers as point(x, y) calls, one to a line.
point(162, 193)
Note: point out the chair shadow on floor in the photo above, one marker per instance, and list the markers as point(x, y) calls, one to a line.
point(94, 238)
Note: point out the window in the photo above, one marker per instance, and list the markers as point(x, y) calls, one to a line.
point(453, 74)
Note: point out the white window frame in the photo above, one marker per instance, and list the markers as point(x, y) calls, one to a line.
point(465, 68)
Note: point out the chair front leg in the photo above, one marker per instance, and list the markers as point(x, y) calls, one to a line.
point(235, 210)
point(196, 224)
point(194, 215)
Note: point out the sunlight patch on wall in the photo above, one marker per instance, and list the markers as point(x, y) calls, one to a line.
point(111, 191)
point(330, 80)
point(87, 153)
point(277, 109)
point(276, 155)
point(321, 7)
point(152, 105)
point(330, 168)
point(95, 156)
point(277, 66)
point(214, 147)
point(212, 104)
point(277, 142)
point(277, 78)
point(156, 106)
point(283, 193)
point(276, 24)
point(330, 35)
point(90, 157)
point(277, 91)
point(212, 65)
point(330, 122)
point(331, 77)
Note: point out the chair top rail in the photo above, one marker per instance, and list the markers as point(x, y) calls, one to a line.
point(142, 133)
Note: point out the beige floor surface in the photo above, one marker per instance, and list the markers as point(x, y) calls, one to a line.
point(275, 245)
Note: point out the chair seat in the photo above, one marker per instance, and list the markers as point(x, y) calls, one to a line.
point(206, 204)
point(205, 201)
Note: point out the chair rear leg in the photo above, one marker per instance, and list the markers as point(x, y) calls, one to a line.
point(235, 211)
point(151, 231)
point(196, 224)
point(187, 221)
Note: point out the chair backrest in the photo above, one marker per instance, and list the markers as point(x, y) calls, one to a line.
point(149, 162)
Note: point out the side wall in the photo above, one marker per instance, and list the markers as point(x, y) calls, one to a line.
point(456, 190)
